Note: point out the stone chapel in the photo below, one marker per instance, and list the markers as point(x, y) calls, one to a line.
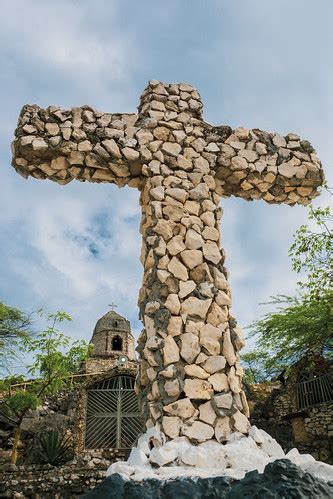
point(110, 406)
point(113, 344)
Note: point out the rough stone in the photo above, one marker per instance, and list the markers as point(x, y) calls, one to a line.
point(191, 258)
point(228, 349)
point(176, 245)
point(222, 429)
point(198, 389)
point(172, 387)
point(130, 154)
point(163, 455)
point(211, 233)
point(112, 148)
point(217, 315)
point(210, 339)
point(193, 239)
point(178, 269)
point(175, 326)
point(185, 288)
point(219, 381)
point(182, 408)
point(240, 422)
point(214, 363)
point(193, 306)
point(234, 381)
point(198, 431)
point(171, 426)
point(196, 371)
point(171, 148)
point(223, 401)
point(207, 413)
point(211, 252)
point(172, 303)
point(190, 347)
point(170, 351)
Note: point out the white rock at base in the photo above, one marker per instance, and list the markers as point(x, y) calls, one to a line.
point(271, 447)
point(244, 455)
point(215, 456)
point(137, 458)
point(301, 460)
point(163, 455)
point(320, 470)
point(256, 435)
point(180, 458)
point(120, 467)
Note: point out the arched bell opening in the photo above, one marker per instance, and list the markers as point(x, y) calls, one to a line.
point(117, 344)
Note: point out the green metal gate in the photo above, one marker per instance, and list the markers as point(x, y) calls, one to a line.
point(313, 389)
point(113, 419)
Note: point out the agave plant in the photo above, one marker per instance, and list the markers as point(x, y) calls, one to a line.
point(53, 448)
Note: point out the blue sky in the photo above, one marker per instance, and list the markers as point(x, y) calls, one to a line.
point(256, 64)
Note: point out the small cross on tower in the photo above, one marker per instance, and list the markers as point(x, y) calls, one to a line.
point(113, 306)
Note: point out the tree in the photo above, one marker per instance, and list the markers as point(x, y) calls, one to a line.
point(55, 361)
point(312, 251)
point(255, 370)
point(52, 362)
point(301, 325)
point(14, 408)
point(15, 327)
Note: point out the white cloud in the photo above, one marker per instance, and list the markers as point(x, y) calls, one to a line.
point(59, 37)
point(254, 66)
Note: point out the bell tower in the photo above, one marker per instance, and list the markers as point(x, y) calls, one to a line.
point(113, 343)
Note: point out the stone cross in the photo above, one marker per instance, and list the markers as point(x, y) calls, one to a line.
point(190, 377)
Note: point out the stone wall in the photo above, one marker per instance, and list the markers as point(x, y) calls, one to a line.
point(319, 421)
point(63, 482)
point(310, 430)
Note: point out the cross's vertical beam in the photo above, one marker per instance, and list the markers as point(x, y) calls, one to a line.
point(190, 376)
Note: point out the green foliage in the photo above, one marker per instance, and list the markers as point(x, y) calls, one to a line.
point(53, 448)
point(255, 369)
point(7, 382)
point(312, 251)
point(301, 326)
point(55, 359)
point(15, 406)
point(15, 327)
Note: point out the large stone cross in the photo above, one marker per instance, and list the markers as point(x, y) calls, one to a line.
point(190, 379)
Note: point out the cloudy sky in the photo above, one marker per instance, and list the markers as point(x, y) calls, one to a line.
point(255, 63)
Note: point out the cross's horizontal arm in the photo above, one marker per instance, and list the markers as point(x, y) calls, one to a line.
point(253, 164)
point(87, 145)
point(79, 143)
